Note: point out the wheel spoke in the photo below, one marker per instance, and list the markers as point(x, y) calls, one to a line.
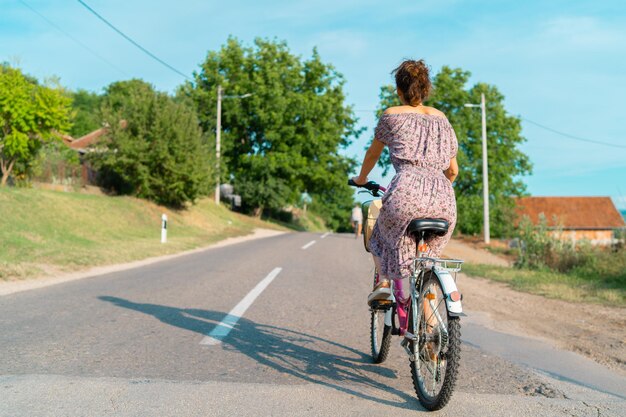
point(431, 314)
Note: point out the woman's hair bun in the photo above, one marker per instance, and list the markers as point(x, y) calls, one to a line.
point(413, 81)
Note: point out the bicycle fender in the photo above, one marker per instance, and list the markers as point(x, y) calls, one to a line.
point(448, 285)
point(389, 312)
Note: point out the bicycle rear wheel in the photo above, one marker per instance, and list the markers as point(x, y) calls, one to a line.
point(437, 353)
point(380, 334)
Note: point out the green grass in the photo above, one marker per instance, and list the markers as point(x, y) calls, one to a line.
point(508, 252)
point(302, 222)
point(311, 222)
point(48, 231)
point(600, 285)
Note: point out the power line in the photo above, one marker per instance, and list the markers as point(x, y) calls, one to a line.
point(567, 135)
point(129, 39)
point(54, 25)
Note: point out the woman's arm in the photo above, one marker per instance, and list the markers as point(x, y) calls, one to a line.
point(371, 157)
point(453, 170)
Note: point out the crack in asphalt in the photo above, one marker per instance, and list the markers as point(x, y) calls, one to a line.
point(593, 406)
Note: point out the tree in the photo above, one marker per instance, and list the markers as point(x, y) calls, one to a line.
point(159, 153)
point(30, 115)
point(507, 163)
point(87, 117)
point(285, 138)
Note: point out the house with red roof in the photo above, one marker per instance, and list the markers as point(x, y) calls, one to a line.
point(594, 219)
point(82, 144)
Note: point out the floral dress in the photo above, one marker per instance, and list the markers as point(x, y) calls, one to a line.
point(421, 147)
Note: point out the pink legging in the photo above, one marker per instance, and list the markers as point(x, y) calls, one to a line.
point(401, 291)
point(400, 288)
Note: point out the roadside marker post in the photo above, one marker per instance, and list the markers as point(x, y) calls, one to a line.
point(164, 228)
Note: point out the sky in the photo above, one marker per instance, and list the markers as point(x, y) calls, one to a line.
point(559, 63)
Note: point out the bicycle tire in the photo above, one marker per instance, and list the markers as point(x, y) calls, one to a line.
point(380, 349)
point(452, 357)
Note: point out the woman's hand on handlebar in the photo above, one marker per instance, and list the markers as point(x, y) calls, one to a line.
point(371, 186)
point(359, 181)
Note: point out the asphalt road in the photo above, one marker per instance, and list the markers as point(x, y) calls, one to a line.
point(148, 341)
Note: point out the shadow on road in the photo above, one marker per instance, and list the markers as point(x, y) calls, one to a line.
point(310, 358)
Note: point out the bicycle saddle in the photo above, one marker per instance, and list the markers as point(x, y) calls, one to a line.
point(437, 227)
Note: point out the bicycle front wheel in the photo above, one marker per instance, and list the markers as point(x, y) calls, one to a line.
point(435, 363)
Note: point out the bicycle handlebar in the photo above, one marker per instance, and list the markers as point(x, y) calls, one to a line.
point(371, 186)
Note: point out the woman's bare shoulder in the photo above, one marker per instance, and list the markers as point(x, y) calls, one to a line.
point(434, 111)
point(394, 110)
point(410, 109)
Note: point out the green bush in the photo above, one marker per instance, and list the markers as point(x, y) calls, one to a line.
point(31, 115)
point(620, 236)
point(87, 116)
point(599, 272)
point(541, 247)
point(160, 154)
point(56, 163)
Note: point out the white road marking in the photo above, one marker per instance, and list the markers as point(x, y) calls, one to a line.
point(324, 235)
point(308, 245)
point(221, 330)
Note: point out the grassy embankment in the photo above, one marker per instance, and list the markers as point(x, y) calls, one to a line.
point(603, 282)
point(47, 232)
point(303, 221)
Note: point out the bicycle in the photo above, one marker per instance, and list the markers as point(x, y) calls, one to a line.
point(428, 320)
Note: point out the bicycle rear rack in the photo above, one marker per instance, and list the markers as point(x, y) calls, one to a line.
point(451, 265)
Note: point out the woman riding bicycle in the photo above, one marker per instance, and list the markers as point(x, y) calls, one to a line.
point(423, 147)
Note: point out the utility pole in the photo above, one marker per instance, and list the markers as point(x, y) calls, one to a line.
point(483, 109)
point(485, 169)
point(218, 132)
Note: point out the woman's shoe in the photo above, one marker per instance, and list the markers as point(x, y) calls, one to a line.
point(382, 291)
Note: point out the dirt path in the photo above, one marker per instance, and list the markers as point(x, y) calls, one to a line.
point(461, 250)
point(593, 330)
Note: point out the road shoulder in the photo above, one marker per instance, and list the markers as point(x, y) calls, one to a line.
point(593, 330)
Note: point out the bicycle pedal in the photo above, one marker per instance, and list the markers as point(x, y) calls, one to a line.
point(381, 304)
